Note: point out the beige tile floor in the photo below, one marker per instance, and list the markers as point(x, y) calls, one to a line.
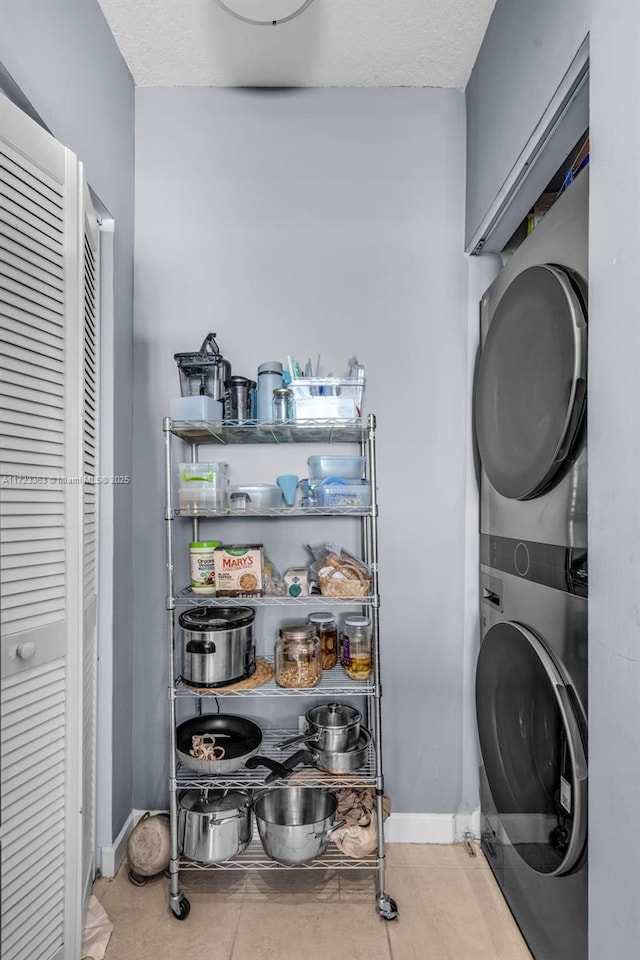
point(449, 904)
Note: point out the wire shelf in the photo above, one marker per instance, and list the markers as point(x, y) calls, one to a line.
point(279, 512)
point(263, 431)
point(333, 683)
point(254, 779)
point(187, 596)
point(255, 858)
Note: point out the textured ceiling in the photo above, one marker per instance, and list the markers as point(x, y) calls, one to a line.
point(422, 43)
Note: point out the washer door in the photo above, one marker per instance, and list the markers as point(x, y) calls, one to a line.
point(532, 749)
point(531, 383)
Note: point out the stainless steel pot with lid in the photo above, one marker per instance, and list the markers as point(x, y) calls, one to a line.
point(218, 645)
point(213, 825)
point(333, 727)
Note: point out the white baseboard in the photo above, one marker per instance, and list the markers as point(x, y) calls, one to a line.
point(432, 827)
point(111, 857)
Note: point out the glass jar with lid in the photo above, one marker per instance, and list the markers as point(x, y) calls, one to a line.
point(327, 630)
point(298, 656)
point(282, 405)
point(356, 647)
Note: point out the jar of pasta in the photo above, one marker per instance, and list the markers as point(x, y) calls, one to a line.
point(327, 630)
point(298, 656)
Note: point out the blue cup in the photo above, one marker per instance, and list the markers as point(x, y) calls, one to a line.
point(288, 483)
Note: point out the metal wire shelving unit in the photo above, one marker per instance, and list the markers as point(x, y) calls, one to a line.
point(333, 684)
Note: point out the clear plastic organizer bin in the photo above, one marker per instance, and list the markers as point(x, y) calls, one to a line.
point(343, 493)
point(327, 398)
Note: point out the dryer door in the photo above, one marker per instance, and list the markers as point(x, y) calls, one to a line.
point(531, 382)
point(532, 746)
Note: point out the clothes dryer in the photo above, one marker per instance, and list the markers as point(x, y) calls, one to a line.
point(530, 389)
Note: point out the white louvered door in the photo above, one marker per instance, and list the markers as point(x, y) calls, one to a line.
point(44, 519)
point(89, 290)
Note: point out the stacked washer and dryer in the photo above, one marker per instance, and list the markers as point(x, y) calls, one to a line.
point(531, 680)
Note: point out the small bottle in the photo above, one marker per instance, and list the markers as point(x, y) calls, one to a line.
point(201, 554)
point(282, 404)
point(297, 656)
point(356, 648)
point(327, 630)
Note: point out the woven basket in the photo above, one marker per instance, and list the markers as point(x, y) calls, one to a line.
point(332, 586)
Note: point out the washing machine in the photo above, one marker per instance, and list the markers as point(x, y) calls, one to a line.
point(531, 678)
point(532, 724)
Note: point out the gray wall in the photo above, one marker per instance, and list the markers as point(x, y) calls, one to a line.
point(318, 221)
point(504, 104)
point(63, 57)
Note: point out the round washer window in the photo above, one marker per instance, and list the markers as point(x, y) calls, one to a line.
point(532, 750)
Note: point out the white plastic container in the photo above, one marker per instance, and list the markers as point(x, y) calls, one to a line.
point(328, 397)
point(204, 409)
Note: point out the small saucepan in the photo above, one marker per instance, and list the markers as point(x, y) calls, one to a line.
point(342, 761)
point(333, 728)
point(337, 762)
point(236, 739)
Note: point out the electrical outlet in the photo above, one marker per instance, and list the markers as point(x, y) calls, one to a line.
point(302, 724)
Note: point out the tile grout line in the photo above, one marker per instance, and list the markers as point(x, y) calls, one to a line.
point(388, 933)
point(235, 932)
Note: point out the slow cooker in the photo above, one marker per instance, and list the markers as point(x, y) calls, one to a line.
point(218, 645)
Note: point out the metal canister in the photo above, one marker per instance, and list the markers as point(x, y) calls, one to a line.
point(239, 399)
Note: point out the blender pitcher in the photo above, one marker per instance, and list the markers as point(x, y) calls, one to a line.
point(203, 373)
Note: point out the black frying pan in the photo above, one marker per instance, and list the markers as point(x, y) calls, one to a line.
point(241, 738)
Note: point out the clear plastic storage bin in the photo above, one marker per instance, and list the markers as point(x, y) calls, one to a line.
point(327, 398)
point(343, 493)
point(203, 487)
point(329, 465)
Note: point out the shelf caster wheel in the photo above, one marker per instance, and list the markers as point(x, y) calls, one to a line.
point(180, 906)
point(387, 907)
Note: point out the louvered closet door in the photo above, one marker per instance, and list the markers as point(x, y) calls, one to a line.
point(41, 520)
point(89, 290)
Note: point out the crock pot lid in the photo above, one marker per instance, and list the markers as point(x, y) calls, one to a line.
point(216, 618)
point(212, 801)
